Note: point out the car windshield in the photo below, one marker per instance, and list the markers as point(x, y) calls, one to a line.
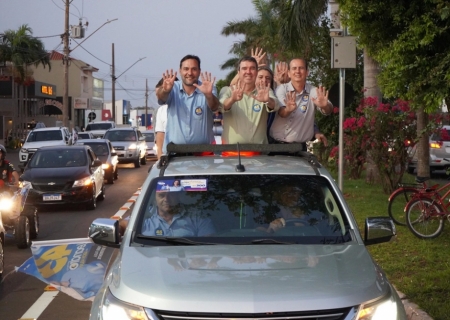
point(44, 135)
point(58, 158)
point(120, 135)
point(84, 135)
point(99, 148)
point(98, 126)
point(149, 136)
point(241, 209)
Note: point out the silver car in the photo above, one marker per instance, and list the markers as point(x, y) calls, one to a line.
point(439, 151)
point(129, 144)
point(229, 236)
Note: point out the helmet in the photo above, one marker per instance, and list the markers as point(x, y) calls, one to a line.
point(3, 151)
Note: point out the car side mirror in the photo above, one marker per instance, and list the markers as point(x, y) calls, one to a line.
point(96, 163)
point(105, 232)
point(379, 230)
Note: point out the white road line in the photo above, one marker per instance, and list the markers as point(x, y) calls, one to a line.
point(39, 306)
point(47, 297)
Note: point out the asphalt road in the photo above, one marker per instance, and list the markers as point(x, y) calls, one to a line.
point(18, 291)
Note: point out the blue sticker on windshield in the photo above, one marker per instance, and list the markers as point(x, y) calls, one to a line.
point(182, 185)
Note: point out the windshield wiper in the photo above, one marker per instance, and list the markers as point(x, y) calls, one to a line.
point(269, 241)
point(173, 240)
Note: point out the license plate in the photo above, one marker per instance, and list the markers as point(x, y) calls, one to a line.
point(52, 197)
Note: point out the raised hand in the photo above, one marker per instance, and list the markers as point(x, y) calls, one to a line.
point(281, 73)
point(237, 92)
point(259, 56)
point(262, 94)
point(207, 83)
point(322, 97)
point(169, 79)
point(289, 101)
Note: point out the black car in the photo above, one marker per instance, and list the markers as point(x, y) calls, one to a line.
point(65, 175)
point(104, 150)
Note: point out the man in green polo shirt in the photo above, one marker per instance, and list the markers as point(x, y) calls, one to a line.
point(246, 105)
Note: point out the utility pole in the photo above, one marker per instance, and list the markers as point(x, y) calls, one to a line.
point(113, 81)
point(146, 98)
point(66, 109)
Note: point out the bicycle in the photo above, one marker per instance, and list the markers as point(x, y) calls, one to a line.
point(402, 195)
point(426, 211)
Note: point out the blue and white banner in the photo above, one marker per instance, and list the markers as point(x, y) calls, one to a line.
point(74, 266)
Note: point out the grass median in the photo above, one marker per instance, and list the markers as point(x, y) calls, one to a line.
point(418, 268)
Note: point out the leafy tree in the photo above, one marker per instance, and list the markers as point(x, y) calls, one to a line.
point(411, 42)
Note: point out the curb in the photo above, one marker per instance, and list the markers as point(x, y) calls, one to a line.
point(413, 311)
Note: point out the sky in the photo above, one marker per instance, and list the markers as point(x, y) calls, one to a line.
point(161, 31)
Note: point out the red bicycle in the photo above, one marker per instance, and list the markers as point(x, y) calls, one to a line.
point(427, 211)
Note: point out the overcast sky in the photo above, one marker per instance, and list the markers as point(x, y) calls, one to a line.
point(162, 31)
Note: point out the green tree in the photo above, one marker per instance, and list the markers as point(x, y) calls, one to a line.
point(411, 42)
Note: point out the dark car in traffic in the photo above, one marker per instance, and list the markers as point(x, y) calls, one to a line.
point(104, 150)
point(62, 175)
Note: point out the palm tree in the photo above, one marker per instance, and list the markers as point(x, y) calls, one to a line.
point(22, 50)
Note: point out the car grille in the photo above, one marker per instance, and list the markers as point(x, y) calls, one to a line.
point(44, 186)
point(119, 148)
point(331, 314)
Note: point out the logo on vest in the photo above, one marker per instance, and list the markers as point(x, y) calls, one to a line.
point(256, 108)
point(198, 111)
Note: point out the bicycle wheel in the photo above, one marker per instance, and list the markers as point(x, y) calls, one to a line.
point(397, 204)
point(424, 219)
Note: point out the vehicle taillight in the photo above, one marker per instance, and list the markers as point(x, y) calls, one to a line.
point(242, 153)
point(436, 145)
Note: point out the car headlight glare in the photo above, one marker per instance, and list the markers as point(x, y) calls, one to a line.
point(384, 310)
point(6, 203)
point(105, 166)
point(116, 309)
point(132, 146)
point(83, 182)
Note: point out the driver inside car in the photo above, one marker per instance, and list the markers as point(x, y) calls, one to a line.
point(289, 202)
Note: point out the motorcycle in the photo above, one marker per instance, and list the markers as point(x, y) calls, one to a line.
point(18, 219)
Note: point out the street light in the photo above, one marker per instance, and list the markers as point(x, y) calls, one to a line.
point(113, 87)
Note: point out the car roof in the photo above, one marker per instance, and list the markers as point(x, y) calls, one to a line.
point(299, 163)
point(82, 141)
point(123, 128)
point(63, 147)
point(48, 128)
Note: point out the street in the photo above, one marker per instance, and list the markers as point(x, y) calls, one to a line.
point(18, 291)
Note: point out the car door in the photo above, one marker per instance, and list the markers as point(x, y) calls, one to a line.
point(96, 172)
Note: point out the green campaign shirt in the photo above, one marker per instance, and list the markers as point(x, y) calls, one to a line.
point(246, 121)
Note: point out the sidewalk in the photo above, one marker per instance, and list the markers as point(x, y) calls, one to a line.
point(413, 312)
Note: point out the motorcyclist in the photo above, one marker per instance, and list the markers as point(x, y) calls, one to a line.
point(8, 173)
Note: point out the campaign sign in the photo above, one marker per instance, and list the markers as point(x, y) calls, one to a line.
point(181, 185)
point(74, 266)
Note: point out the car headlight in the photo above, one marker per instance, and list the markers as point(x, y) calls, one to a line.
point(114, 308)
point(379, 310)
point(6, 203)
point(105, 166)
point(82, 182)
point(132, 146)
point(24, 150)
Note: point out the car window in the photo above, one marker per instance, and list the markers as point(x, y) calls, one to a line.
point(149, 136)
point(99, 148)
point(441, 135)
point(58, 159)
point(240, 209)
point(50, 135)
point(98, 126)
point(121, 135)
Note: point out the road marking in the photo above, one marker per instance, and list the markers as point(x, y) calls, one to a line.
point(39, 306)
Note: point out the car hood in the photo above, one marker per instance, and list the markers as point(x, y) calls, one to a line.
point(36, 175)
point(255, 279)
point(124, 144)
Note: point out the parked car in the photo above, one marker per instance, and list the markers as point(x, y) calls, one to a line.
point(85, 135)
point(104, 150)
point(99, 128)
point(41, 137)
point(129, 144)
point(65, 175)
point(439, 143)
point(150, 140)
point(250, 236)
